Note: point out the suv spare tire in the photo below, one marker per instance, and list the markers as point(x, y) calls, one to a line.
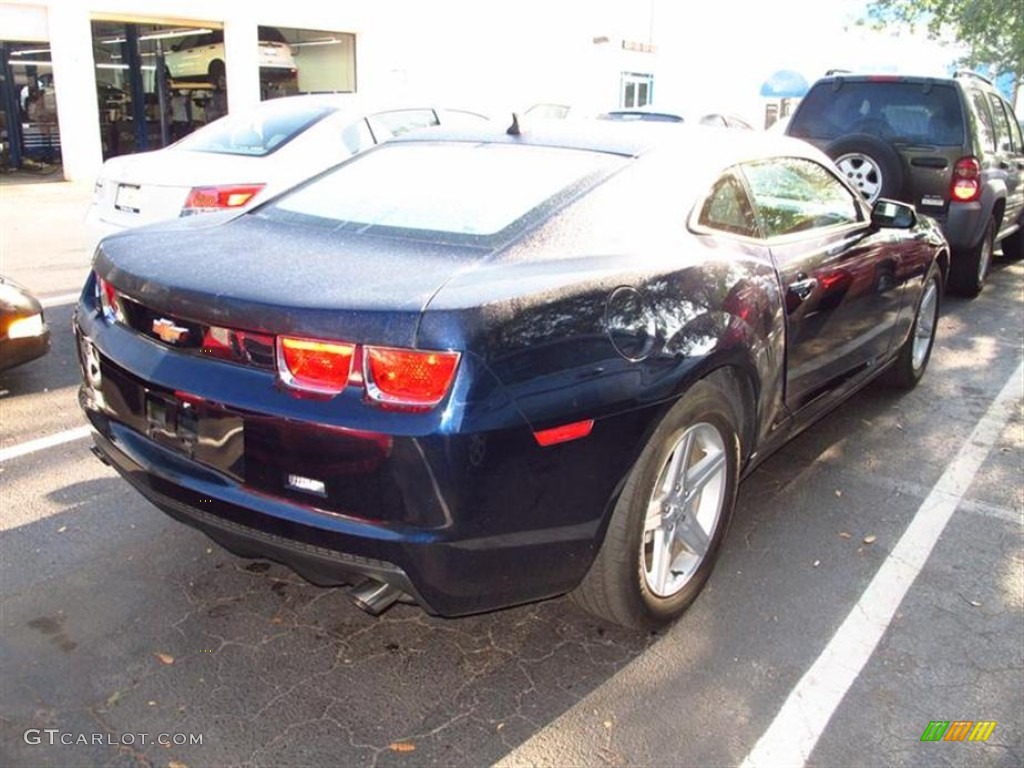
point(871, 164)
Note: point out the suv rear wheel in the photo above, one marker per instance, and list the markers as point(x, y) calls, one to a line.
point(969, 269)
point(869, 163)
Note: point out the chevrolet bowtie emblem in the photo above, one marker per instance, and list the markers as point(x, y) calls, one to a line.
point(168, 332)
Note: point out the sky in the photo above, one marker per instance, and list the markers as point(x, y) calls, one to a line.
point(713, 55)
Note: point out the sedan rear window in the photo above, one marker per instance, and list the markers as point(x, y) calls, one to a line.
point(454, 188)
point(255, 133)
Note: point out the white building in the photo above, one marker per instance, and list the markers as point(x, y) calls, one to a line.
point(87, 70)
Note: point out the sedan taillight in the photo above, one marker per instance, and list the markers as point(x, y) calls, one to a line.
point(966, 184)
point(409, 378)
point(212, 199)
point(316, 366)
point(110, 300)
point(406, 379)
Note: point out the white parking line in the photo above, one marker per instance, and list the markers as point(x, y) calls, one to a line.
point(22, 449)
point(793, 733)
point(60, 300)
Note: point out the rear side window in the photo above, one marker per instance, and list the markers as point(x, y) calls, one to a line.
point(271, 35)
point(1003, 136)
point(793, 195)
point(986, 128)
point(895, 111)
point(386, 125)
point(727, 208)
point(256, 133)
point(452, 188)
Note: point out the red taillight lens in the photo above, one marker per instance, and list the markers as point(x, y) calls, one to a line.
point(409, 377)
point(209, 199)
point(966, 185)
point(315, 366)
point(110, 301)
point(564, 433)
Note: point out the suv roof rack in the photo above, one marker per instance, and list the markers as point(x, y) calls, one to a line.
point(971, 73)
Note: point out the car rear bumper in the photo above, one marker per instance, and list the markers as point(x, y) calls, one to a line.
point(14, 352)
point(447, 572)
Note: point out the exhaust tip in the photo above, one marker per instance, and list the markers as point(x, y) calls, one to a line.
point(374, 597)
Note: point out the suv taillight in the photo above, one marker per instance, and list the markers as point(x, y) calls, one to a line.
point(966, 184)
point(211, 199)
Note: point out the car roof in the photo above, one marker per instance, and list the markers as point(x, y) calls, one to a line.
point(708, 146)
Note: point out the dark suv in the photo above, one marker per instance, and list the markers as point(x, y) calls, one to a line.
point(952, 147)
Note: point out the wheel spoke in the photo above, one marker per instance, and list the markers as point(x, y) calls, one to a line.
point(655, 515)
point(677, 462)
point(699, 476)
point(661, 557)
point(692, 536)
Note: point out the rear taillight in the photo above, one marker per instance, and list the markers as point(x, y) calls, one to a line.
point(966, 184)
point(211, 199)
point(110, 300)
point(316, 366)
point(409, 378)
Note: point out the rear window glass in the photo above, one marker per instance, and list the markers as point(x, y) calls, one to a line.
point(894, 111)
point(453, 188)
point(255, 133)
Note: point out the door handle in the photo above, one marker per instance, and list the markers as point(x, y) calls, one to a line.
point(803, 287)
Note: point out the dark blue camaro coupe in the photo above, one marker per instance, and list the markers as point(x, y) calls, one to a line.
point(475, 370)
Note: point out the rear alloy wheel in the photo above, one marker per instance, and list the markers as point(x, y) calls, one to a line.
point(916, 351)
point(870, 164)
point(668, 525)
point(969, 268)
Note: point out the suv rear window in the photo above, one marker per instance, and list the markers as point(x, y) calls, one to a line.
point(255, 133)
point(910, 112)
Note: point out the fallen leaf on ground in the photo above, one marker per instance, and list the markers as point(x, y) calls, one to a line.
point(62, 529)
point(114, 698)
point(844, 535)
point(164, 658)
point(817, 563)
point(402, 746)
point(838, 492)
point(176, 764)
point(975, 603)
point(870, 539)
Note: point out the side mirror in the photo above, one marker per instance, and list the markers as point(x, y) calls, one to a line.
point(892, 214)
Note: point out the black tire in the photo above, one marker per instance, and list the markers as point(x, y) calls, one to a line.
point(970, 267)
point(218, 75)
point(869, 163)
point(618, 588)
point(1013, 246)
point(916, 351)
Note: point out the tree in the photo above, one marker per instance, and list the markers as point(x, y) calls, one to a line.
point(992, 31)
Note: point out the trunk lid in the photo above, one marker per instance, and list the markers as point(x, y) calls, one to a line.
point(278, 278)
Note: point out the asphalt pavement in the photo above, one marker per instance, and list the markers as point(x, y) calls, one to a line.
point(872, 583)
